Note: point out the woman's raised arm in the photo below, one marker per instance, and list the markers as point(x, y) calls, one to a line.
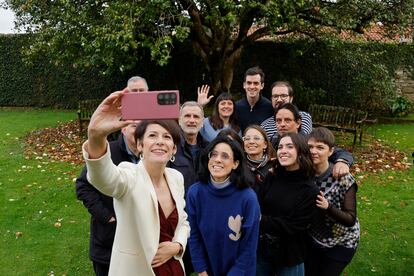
point(105, 120)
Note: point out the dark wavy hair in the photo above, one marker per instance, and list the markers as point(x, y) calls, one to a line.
point(170, 125)
point(304, 155)
point(239, 176)
point(216, 121)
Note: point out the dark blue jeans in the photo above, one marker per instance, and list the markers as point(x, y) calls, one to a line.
point(267, 254)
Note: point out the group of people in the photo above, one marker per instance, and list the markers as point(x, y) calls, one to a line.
point(250, 190)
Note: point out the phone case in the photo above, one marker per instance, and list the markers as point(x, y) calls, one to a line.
point(151, 105)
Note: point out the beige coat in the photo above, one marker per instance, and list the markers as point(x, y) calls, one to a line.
point(136, 207)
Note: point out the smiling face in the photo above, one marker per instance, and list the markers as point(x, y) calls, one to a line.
point(157, 145)
point(320, 152)
point(225, 108)
point(287, 154)
point(221, 162)
point(280, 95)
point(253, 85)
point(254, 144)
point(285, 122)
point(191, 119)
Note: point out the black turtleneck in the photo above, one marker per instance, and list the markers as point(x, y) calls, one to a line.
point(288, 205)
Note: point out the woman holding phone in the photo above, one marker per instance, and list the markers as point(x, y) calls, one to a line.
point(287, 200)
point(152, 227)
point(223, 213)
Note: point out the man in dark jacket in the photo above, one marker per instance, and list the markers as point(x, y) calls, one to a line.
point(188, 151)
point(253, 108)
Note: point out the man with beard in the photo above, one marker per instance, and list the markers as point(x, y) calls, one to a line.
point(188, 151)
point(282, 92)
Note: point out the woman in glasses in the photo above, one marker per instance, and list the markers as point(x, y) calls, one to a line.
point(259, 152)
point(223, 117)
point(223, 213)
point(152, 227)
point(287, 200)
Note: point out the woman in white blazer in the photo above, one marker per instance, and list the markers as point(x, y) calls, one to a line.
point(141, 192)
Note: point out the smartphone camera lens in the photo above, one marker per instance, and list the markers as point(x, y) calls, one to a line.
point(167, 98)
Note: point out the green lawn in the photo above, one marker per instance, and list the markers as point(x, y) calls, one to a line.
point(385, 208)
point(400, 136)
point(36, 193)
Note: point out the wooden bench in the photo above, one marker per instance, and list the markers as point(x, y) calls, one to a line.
point(85, 111)
point(339, 118)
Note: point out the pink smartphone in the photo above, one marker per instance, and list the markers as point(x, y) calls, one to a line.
point(151, 105)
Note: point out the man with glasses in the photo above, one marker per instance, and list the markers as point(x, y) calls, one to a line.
point(253, 108)
point(282, 92)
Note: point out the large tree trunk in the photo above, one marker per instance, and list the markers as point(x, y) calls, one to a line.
point(221, 68)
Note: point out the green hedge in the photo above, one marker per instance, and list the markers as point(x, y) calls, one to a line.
point(332, 72)
point(358, 75)
point(41, 83)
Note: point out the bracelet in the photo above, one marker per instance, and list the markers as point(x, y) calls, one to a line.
point(342, 161)
point(329, 206)
point(181, 248)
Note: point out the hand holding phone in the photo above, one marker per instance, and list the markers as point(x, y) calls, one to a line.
point(151, 105)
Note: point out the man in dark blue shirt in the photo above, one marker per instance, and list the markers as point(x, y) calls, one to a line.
point(253, 108)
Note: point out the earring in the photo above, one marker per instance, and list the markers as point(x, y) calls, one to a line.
point(141, 156)
point(172, 159)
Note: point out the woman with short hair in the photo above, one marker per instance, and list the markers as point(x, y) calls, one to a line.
point(335, 231)
point(152, 227)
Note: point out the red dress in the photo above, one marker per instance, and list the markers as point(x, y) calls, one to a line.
point(167, 228)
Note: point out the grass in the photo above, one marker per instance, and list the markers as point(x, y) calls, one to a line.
point(385, 208)
point(400, 136)
point(35, 194)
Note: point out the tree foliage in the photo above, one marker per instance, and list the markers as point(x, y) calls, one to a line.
point(115, 33)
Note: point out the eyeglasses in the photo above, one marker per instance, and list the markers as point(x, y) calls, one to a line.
point(254, 138)
point(282, 96)
point(213, 155)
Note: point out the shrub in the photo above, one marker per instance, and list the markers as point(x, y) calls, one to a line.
point(400, 106)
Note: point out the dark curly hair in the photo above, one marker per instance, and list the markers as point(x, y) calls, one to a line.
point(238, 176)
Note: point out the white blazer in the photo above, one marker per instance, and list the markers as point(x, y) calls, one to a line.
point(136, 207)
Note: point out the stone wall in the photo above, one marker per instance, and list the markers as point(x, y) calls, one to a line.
point(405, 84)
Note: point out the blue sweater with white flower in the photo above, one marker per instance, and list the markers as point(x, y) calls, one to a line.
point(224, 229)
